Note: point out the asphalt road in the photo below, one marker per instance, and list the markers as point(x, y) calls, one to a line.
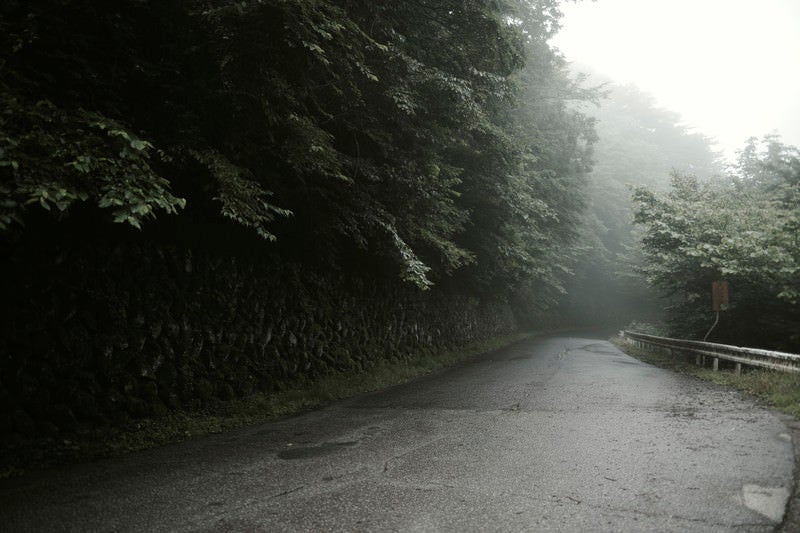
point(553, 434)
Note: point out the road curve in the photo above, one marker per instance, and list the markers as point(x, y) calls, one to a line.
point(561, 433)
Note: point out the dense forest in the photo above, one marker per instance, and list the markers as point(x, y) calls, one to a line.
point(639, 144)
point(429, 138)
point(203, 200)
point(743, 228)
point(696, 219)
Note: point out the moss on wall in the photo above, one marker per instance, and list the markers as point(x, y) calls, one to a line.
point(103, 332)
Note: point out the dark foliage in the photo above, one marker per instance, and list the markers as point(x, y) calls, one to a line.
point(420, 136)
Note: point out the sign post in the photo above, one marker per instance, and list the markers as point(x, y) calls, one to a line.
point(719, 301)
point(719, 296)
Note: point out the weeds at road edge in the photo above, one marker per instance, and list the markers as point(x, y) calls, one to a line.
point(178, 426)
point(781, 390)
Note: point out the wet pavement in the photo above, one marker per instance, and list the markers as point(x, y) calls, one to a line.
point(561, 433)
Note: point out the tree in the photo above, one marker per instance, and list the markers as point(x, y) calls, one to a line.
point(524, 219)
point(639, 144)
point(98, 101)
point(743, 229)
point(397, 135)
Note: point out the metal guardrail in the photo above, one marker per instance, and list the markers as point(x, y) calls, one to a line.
point(786, 362)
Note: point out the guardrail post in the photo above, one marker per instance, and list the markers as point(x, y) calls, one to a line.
point(782, 361)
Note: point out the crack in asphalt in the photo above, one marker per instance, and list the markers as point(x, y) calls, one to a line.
point(386, 464)
point(558, 500)
point(562, 438)
point(286, 492)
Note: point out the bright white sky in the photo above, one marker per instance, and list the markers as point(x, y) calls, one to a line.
point(731, 68)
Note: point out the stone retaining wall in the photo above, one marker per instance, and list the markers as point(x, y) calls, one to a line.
point(105, 333)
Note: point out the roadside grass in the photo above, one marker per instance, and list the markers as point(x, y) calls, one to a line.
point(780, 390)
point(141, 434)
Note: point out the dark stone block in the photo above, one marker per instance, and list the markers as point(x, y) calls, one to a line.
point(225, 392)
point(6, 424)
point(63, 417)
point(204, 389)
point(23, 423)
point(47, 429)
point(86, 406)
point(148, 390)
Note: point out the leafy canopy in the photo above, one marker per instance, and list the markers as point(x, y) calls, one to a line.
point(431, 136)
point(745, 229)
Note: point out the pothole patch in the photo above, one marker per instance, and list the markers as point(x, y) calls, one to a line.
point(767, 501)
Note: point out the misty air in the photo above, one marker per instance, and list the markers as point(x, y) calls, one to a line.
point(431, 265)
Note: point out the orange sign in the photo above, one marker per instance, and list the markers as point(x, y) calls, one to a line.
point(719, 295)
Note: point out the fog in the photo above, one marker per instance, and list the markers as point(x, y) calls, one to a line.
point(727, 66)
